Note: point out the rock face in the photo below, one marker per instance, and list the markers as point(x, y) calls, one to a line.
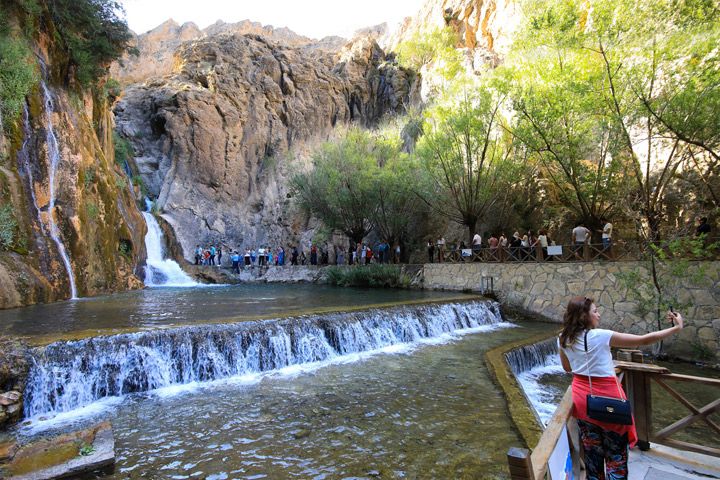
point(156, 48)
point(14, 367)
point(65, 140)
point(217, 140)
point(485, 27)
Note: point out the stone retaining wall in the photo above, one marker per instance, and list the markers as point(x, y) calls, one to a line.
point(545, 288)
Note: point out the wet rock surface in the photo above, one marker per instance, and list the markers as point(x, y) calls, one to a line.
point(14, 367)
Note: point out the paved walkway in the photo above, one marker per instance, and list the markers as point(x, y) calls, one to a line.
point(664, 463)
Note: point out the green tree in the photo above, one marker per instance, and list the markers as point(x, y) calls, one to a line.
point(338, 190)
point(629, 50)
point(17, 72)
point(94, 33)
point(468, 157)
point(560, 122)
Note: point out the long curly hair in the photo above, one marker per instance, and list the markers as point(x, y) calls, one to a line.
point(576, 320)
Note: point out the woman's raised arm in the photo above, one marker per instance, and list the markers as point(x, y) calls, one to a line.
point(625, 340)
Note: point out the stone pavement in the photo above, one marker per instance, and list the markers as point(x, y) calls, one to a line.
point(664, 463)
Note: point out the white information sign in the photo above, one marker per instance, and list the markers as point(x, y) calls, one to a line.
point(560, 462)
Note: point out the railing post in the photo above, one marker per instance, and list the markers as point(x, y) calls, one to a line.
point(586, 252)
point(520, 464)
point(637, 385)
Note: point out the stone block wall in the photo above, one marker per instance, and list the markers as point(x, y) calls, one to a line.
point(546, 288)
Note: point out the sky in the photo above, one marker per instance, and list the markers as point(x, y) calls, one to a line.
point(312, 18)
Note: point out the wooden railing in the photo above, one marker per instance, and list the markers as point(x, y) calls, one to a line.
point(637, 379)
point(638, 385)
point(569, 253)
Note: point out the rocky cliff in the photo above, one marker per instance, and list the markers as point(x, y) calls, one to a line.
point(216, 141)
point(73, 217)
point(155, 49)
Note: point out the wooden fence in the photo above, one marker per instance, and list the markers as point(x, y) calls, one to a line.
point(637, 379)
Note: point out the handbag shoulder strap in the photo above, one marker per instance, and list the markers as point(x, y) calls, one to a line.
point(588, 362)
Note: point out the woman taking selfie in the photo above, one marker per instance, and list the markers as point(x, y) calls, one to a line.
point(585, 351)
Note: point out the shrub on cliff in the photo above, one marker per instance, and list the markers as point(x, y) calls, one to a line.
point(17, 73)
point(387, 276)
point(94, 33)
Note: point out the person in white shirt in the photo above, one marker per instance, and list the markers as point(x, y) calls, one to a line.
point(585, 351)
point(441, 249)
point(580, 236)
point(607, 234)
point(476, 242)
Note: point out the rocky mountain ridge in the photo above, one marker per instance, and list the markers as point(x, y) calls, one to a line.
point(156, 48)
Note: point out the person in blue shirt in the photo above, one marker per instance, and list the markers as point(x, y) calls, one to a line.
point(212, 255)
point(235, 257)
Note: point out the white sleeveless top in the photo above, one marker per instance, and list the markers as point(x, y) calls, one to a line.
point(598, 355)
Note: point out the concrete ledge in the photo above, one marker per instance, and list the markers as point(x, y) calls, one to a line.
point(521, 412)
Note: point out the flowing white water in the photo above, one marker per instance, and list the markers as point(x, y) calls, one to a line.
point(54, 160)
point(161, 271)
point(68, 376)
point(530, 364)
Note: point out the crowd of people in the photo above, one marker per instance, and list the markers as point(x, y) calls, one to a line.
point(518, 246)
point(357, 254)
point(499, 247)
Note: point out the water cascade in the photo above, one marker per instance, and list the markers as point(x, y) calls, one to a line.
point(53, 150)
point(530, 364)
point(532, 356)
point(161, 271)
point(69, 375)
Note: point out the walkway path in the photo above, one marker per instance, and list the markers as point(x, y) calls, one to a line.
point(665, 463)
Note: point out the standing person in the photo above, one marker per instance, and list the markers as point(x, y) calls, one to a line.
point(253, 256)
point(441, 249)
point(503, 243)
point(703, 227)
point(294, 256)
point(431, 251)
point(313, 254)
point(358, 254)
point(235, 258)
point(477, 241)
point(543, 240)
point(580, 236)
point(219, 255)
point(607, 234)
point(213, 252)
point(247, 257)
point(585, 351)
point(397, 253)
point(363, 254)
point(198, 254)
point(368, 255)
point(269, 255)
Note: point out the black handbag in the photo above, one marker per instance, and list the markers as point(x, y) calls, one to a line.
point(607, 409)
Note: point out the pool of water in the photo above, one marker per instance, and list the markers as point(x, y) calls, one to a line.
point(168, 307)
point(422, 410)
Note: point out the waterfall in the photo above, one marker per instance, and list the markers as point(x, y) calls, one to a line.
point(161, 271)
point(531, 356)
point(47, 222)
point(68, 375)
point(529, 364)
